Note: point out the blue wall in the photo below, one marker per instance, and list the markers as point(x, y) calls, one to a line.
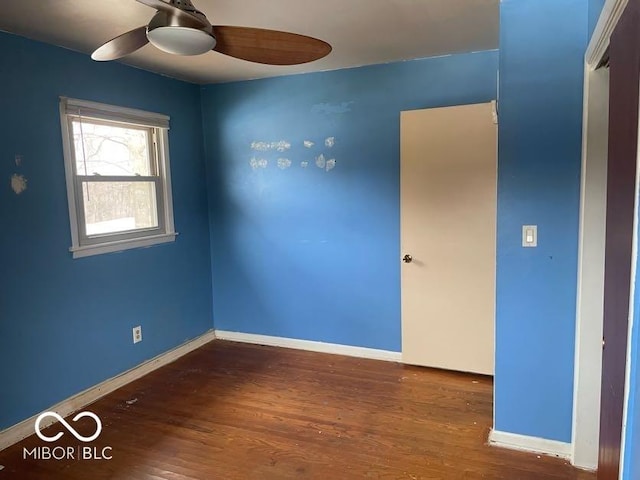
point(632, 445)
point(65, 324)
point(541, 84)
point(304, 252)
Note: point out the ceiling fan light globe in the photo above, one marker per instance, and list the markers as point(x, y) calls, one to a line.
point(181, 40)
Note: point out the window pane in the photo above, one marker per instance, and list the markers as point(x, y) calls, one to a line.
point(114, 207)
point(111, 149)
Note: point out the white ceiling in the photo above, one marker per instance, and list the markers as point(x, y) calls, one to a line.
point(362, 32)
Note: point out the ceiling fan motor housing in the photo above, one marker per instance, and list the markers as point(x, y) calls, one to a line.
point(187, 6)
point(171, 34)
point(166, 19)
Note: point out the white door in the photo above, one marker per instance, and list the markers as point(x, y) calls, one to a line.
point(448, 216)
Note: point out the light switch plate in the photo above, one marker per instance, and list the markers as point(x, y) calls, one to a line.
point(529, 236)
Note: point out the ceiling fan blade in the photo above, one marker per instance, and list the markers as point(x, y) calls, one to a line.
point(181, 15)
point(270, 47)
point(122, 45)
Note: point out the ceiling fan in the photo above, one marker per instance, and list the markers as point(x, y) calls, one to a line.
point(181, 29)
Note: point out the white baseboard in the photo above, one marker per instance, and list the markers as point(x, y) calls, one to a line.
point(311, 346)
point(22, 430)
point(525, 443)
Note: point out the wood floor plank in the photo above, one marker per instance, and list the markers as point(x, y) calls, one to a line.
point(235, 411)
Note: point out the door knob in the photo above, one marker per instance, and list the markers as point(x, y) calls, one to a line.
point(407, 258)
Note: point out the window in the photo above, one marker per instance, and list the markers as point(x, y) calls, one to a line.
point(118, 181)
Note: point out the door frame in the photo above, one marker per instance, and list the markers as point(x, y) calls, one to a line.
point(589, 326)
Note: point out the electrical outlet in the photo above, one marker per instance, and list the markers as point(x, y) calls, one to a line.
point(137, 334)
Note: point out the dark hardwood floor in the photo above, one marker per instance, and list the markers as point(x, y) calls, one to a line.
point(234, 411)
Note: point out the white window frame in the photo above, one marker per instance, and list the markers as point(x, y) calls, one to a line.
point(83, 245)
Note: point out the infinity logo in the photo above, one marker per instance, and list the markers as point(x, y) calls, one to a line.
point(72, 431)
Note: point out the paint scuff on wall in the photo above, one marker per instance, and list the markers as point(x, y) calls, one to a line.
point(260, 146)
point(281, 146)
point(18, 183)
point(332, 108)
point(258, 163)
point(284, 163)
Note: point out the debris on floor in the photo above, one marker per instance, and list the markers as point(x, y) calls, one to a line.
point(132, 401)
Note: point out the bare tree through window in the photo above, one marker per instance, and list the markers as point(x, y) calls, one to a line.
point(112, 161)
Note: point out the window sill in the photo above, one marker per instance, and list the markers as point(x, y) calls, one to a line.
point(121, 245)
